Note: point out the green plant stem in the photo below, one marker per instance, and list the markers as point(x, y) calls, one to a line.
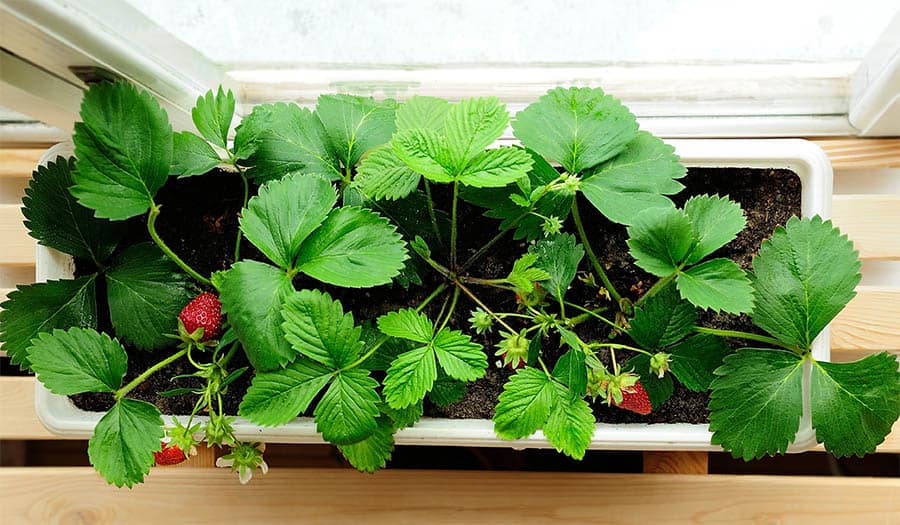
point(120, 393)
point(588, 314)
point(660, 284)
point(613, 346)
point(431, 213)
point(483, 306)
point(487, 246)
point(576, 216)
point(151, 227)
point(745, 335)
point(237, 242)
point(596, 315)
point(451, 310)
point(453, 224)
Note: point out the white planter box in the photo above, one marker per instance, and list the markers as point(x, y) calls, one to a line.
point(806, 159)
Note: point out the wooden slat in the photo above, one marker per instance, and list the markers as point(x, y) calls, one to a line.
point(69, 495)
point(19, 162)
point(848, 154)
point(18, 247)
point(871, 221)
point(870, 323)
point(17, 417)
point(676, 462)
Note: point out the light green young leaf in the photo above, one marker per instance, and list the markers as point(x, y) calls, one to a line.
point(560, 256)
point(460, 358)
point(407, 324)
point(570, 426)
point(576, 127)
point(524, 275)
point(252, 294)
point(191, 155)
point(423, 152)
point(410, 377)
point(124, 150)
point(78, 360)
point(382, 175)
point(212, 115)
point(373, 452)
point(146, 292)
point(524, 405)
point(719, 284)
point(695, 360)
point(496, 168)
point(855, 405)
point(42, 307)
point(124, 441)
point(471, 125)
point(803, 277)
point(659, 389)
point(716, 220)
point(422, 113)
point(756, 402)
point(275, 398)
point(347, 411)
point(355, 125)
point(251, 128)
point(664, 319)
point(285, 213)
point(317, 327)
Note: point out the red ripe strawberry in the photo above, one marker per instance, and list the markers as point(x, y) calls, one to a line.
point(169, 455)
point(205, 311)
point(635, 398)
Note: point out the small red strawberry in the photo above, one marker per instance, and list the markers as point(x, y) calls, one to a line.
point(205, 311)
point(169, 455)
point(635, 398)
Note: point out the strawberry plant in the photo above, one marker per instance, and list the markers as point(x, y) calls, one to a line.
point(361, 194)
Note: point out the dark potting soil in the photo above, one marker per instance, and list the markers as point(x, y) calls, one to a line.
point(199, 222)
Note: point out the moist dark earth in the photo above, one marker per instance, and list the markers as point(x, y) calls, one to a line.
point(199, 222)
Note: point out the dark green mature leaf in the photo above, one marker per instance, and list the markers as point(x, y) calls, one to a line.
point(570, 426)
point(559, 256)
point(422, 150)
point(191, 155)
point(756, 402)
point(55, 219)
point(410, 377)
point(524, 405)
point(718, 284)
point(446, 390)
point(212, 115)
point(695, 360)
point(636, 179)
point(405, 417)
point(252, 294)
point(285, 213)
point(460, 358)
point(275, 398)
point(382, 175)
point(355, 248)
point(346, 413)
point(146, 292)
point(803, 277)
point(470, 126)
point(386, 353)
point(355, 125)
point(496, 168)
point(284, 138)
point(124, 441)
point(78, 360)
point(659, 389)
point(422, 112)
point(373, 452)
point(317, 327)
point(716, 220)
point(124, 150)
point(41, 307)
point(571, 371)
point(407, 324)
point(664, 319)
point(854, 405)
point(576, 127)
point(660, 239)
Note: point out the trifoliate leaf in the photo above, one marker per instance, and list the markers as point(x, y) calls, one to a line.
point(382, 175)
point(423, 152)
point(659, 389)
point(524, 405)
point(696, 358)
point(355, 248)
point(570, 426)
point(496, 168)
point(55, 219)
point(212, 115)
point(716, 220)
point(756, 402)
point(41, 307)
point(275, 398)
point(804, 275)
point(355, 125)
point(660, 239)
point(373, 452)
point(636, 179)
point(146, 292)
point(718, 284)
point(407, 324)
point(446, 390)
point(347, 411)
point(471, 125)
point(410, 377)
point(252, 294)
point(460, 358)
point(422, 113)
point(191, 155)
point(571, 371)
point(664, 319)
point(124, 441)
point(559, 256)
point(854, 405)
point(78, 360)
point(317, 327)
point(576, 127)
point(285, 213)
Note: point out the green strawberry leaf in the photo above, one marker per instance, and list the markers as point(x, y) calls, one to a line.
point(570, 426)
point(420, 112)
point(317, 327)
point(756, 402)
point(407, 324)
point(637, 179)
point(212, 115)
point(249, 132)
point(382, 175)
point(405, 417)
point(803, 277)
point(660, 239)
point(410, 377)
point(854, 405)
point(78, 360)
point(191, 155)
point(355, 125)
point(496, 168)
point(470, 126)
point(559, 256)
point(33, 309)
point(570, 370)
point(695, 360)
point(252, 294)
point(275, 398)
point(347, 412)
point(716, 220)
point(524, 405)
point(423, 152)
point(124, 150)
point(124, 441)
point(146, 293)
point(664, 319)
point(576, 127)
point(659, 389)
point(445, 391)
point(460, 358)
point(717, 284)
point(524, 275)
point(373, 452)
point(55, 219)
